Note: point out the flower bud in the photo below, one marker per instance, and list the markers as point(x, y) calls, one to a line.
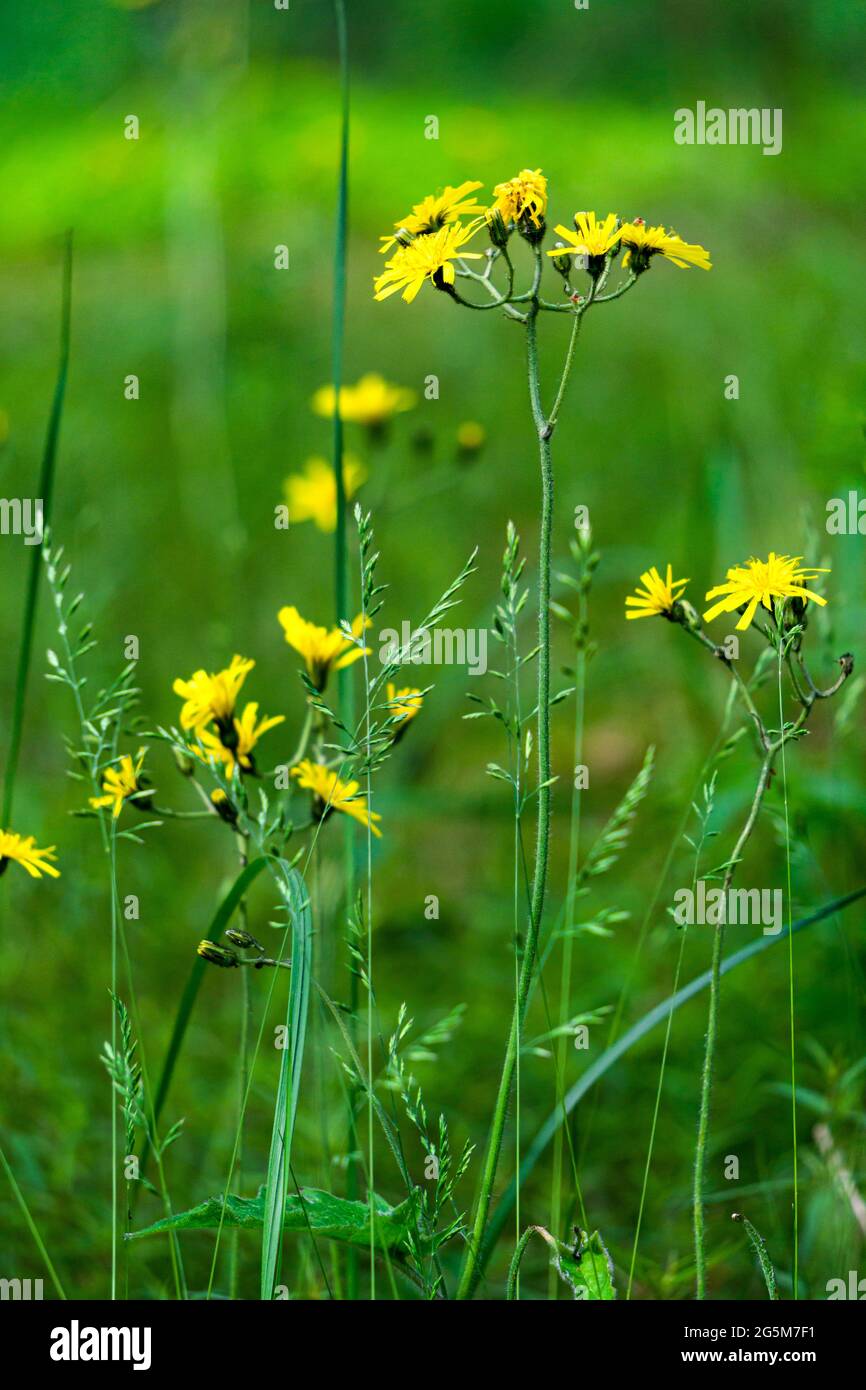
point(185, 764)
point(243, 940)
point(561, 264)
point(217, 955)
point(223, 806)
point(685, 613)
point(496, 228)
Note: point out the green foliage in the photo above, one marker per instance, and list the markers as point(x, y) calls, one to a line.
point(585, 1267)
point(289, 1086)
point(323, 1214)
point(756, 1240)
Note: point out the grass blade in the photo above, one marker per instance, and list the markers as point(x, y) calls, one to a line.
point(46, 493)
point(219, 922)
point(288, 1089)
point(623, 1044)
point(31, 1225)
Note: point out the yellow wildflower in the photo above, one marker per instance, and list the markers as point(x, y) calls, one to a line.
point(760, 581)
point(590, 237)
point(523, 196)
point(470, 437)
point(238, 749)
point(208, 697)
point(312, 495)
point(371, 401)
point(25, 853)
point(333, 795)
point(403, 704)
point(322, 650)
point(120, 782)
point(436, 211)
point(658, 595)
point(426, 258)
point(641, 243)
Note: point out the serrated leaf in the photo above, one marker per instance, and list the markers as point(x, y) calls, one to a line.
point(589, 1274)
point(323, 1213)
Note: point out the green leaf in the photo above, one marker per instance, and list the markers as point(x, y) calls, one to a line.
point(289, 1085)
point(586, 1268)
point(322, 1213)
point(589, 1275)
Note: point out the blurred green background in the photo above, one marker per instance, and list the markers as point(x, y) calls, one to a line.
point(165, 506)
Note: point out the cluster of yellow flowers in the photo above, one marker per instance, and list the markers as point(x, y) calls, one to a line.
point(432, 237)
point(372, 403)
point(209, 712)
point(748, 585)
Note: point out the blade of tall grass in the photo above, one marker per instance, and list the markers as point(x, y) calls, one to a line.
point(288, 1088)
point(623, 1044)
point(219, 922)
point(345, 686)
point(31, 1225)
point(46, 493)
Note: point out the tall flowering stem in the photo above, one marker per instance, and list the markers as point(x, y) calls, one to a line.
point(431, 247)
point(785, 633)
point(539, 881)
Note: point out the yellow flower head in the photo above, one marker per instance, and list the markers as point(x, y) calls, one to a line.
point(589, 237)
point(403, 704)
point(760, 581)
point(322, 650)
point(333, 795)
point(437, 211)
point(426, 258)
point(24, 852)
point(657, 597)
point(237, 750)
point(223, 806)
point(371, 401)
point(312, 495)
point(641, 243)
point(523, 196)
point(208, 697)
point(120, 782)
point(470, 437)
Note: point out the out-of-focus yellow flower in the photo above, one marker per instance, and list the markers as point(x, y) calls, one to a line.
point(436, 211)
point(322, 650)
point(120, 782)
point(403, 704)
point(371, 401)
point(312, 495)
point(333, 795)
point(523, 196)
point(641, 243)
point(239, 750)
point(24, 852)
point(426, 258)
point(657, 597)
point(208, 697)
point(760, 581)
point(471, 437)
point(589, 237)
